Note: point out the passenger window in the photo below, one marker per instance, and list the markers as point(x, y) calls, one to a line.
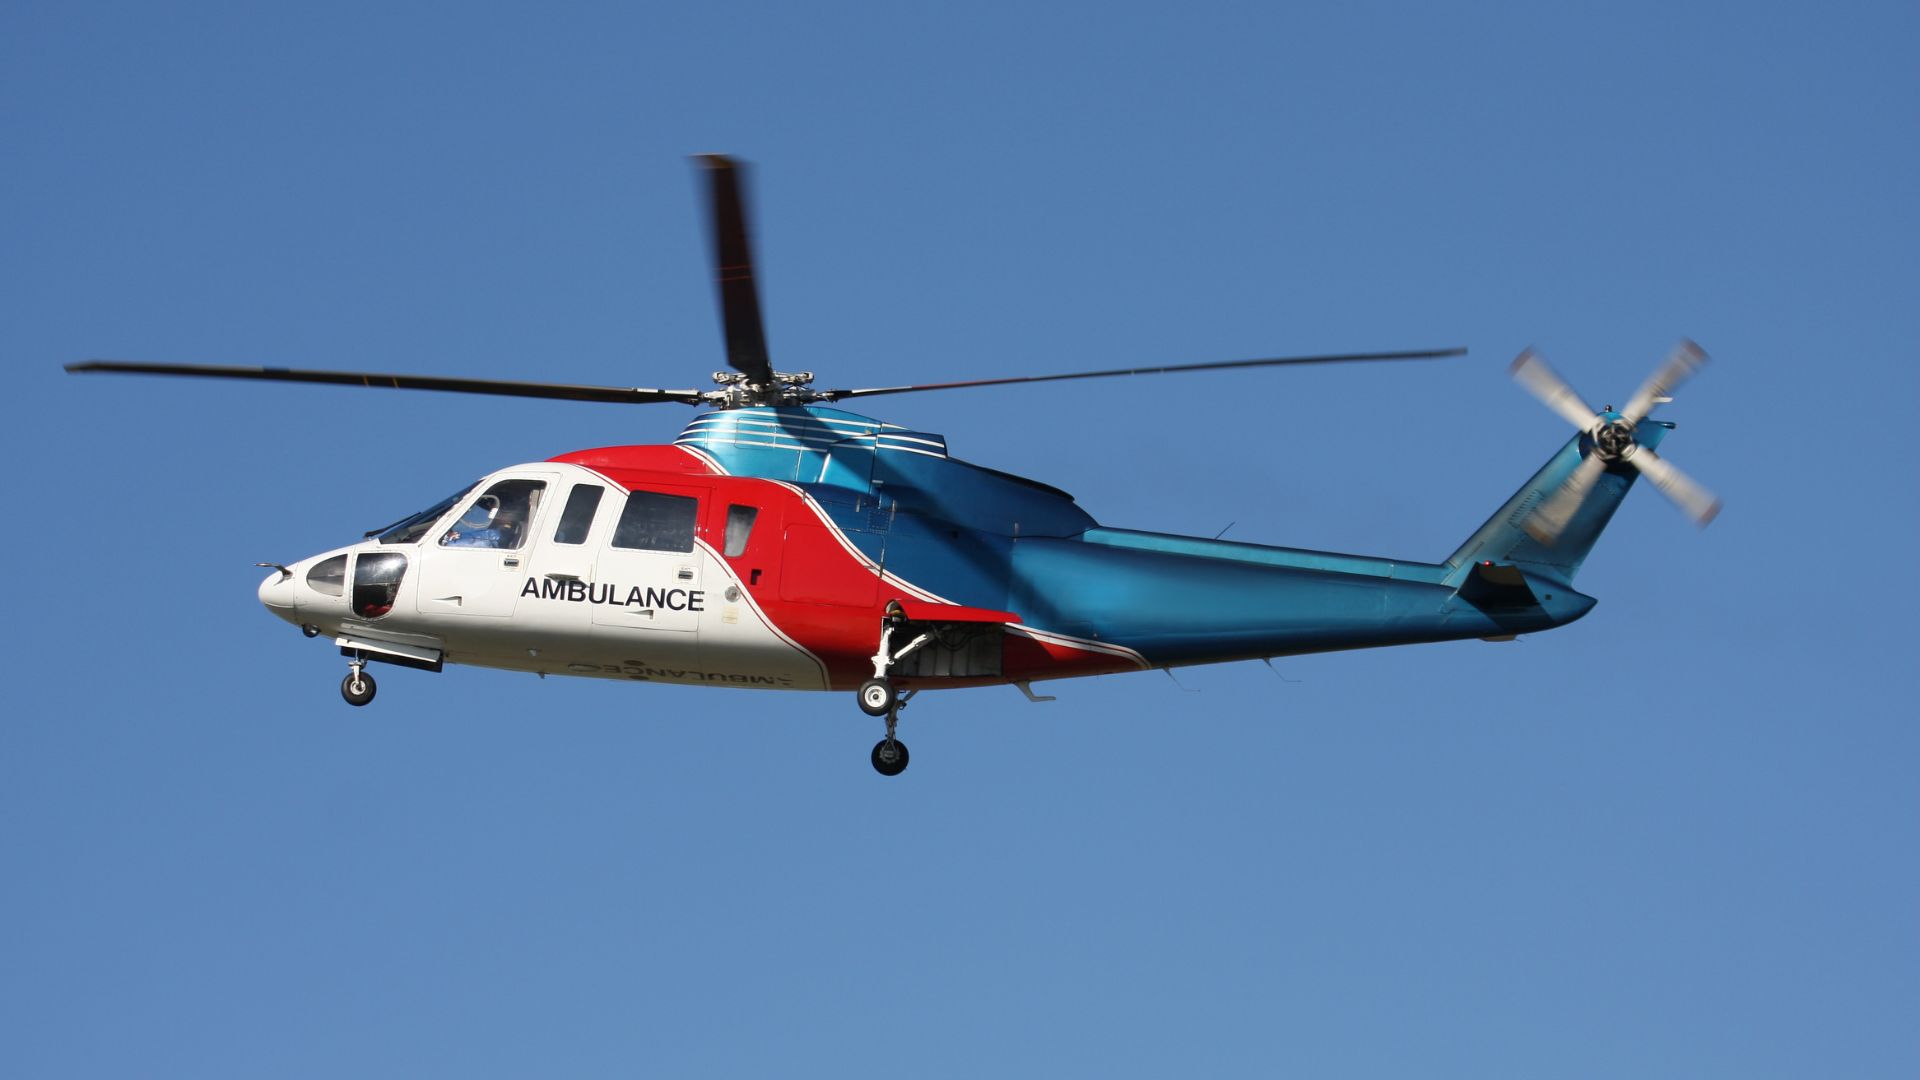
point(577, 519)
point(739, 527)
point(655, 522)
point(498, 519)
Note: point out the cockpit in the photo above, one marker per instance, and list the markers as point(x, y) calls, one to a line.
point(375, 579)
point(497, 519)
point(365, 581)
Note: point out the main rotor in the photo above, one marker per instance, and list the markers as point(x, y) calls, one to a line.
point(751, 382)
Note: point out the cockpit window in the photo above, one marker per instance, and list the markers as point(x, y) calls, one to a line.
point(498, 519)
point(412, 527)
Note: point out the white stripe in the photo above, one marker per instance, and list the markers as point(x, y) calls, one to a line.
point(826, 678)
point(701, 439)
point(911, 450)
point(734, 442)
point(709, 461)
point(909, 438)
point(724, 421)
point(886, 577)
point(770, 432)
point(1083, 644)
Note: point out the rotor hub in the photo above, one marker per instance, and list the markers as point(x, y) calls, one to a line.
point(738, 391)
point(1613, 440)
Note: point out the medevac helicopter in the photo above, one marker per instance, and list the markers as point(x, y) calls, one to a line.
point(780, 543)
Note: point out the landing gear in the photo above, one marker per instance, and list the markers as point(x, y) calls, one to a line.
point(877, 695)
point(358, 686)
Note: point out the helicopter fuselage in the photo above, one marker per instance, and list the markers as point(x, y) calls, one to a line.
point(768, 548)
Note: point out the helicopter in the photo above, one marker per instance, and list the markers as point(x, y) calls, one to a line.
point(782, 543)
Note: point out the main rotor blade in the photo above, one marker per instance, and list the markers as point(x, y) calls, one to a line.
point(1532, 372)
point(1550, 518)
point(552, 391)
point(733, 270)
point(1693, 500)
point(1685, 359)
point(1336, 358)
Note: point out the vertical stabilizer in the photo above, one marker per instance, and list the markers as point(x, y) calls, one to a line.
point(1504, 539)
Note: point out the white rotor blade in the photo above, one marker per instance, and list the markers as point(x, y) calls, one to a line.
point(1530, 371)
point(1685, 359)
point(1550, 518)
point(1695, 501)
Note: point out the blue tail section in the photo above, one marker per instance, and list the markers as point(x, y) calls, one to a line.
point(1504, 540)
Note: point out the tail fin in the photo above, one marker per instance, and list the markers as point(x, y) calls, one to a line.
point(1504, 540)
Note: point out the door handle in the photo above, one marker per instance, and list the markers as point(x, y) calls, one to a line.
point(564, 577)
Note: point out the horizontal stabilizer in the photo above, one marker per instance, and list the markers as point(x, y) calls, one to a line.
point(1491, 586)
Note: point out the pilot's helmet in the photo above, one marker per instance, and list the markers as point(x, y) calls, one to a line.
point(480, 514)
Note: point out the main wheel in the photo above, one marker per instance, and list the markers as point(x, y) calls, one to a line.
point(889, 757)
point(876, 697)
point(357, 688)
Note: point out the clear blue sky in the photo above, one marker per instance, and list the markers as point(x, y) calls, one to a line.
point(1675, 839)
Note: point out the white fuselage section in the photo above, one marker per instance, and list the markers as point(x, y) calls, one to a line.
point(555, 594)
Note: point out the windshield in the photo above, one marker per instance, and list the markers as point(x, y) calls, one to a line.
point(414, 526)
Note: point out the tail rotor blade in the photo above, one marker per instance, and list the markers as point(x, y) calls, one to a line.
point(1548, 520)
point(1685, 359)
point(1695, 501)
point(1540, 380)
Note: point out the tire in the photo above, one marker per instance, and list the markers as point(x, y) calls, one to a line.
point(889, 757)
point(361, 696)
point(877, 697)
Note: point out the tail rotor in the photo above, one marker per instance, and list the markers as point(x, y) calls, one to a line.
point(1613, 441)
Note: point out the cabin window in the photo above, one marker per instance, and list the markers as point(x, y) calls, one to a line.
point(376, 581)
point(329, 576)
point(655, 522)
point(498, 519)
point(739, 527)
point(577, 519)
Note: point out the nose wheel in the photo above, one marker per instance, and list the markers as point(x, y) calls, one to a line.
point(877, 697)
point(358, 686)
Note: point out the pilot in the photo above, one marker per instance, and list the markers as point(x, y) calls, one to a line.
point(479, 527)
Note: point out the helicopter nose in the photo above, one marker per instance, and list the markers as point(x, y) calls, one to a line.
point(276, 592)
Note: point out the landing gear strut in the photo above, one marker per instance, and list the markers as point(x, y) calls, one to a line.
point(358, 686)
point(877, 695)
point(890, 754)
